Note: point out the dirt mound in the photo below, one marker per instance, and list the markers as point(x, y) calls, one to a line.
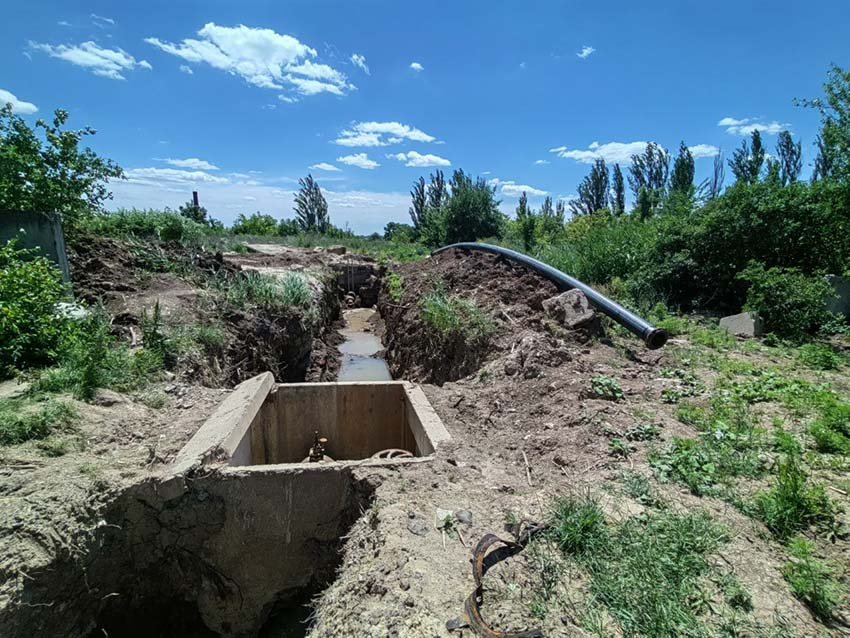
point(515, 298)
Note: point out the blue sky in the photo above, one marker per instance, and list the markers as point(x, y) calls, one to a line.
point(240, 99)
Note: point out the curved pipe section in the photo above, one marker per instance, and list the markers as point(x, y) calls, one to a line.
point(653, 337)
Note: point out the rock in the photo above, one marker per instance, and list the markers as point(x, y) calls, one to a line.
point(513, 363)
point(572, 310)
point(106, 398)
point(408, 601)
point(417, 525)
point(464, 516)
point(336, 250)
point(839, 303)
point(745, 324)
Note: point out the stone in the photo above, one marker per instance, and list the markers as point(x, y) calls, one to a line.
point(417, 525)
point(745, 324)
point(464, 516)
point(839, 303)
point(106, 398)
point(572, 310)
point(336, 250)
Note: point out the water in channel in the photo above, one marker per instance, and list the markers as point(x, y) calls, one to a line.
point(359, 362)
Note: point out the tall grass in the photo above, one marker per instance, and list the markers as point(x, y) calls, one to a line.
point(452, 315)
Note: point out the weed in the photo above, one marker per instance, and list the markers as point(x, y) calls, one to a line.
point(642, 432)
point(794, 503)
point(55, 445)
point(813, 581)
point(831, 429)
point(26, 418)
point(688, 386)
point(395, 286)
point(155, 339)
point(578, 525)
point(713, 337)
point(639, 488)
point(210, 338)
point(734, 593)
point(619, 448)
point(155, 400)
point(819, 356)
point(295, 291)
point(602, 387)
point(452, 315)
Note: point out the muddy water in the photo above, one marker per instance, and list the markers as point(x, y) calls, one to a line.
point(359, 362)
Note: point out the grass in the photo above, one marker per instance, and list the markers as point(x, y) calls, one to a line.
point(820, 356)
point(813, 581)
point(247, 288)
point(26, 418)
point(451, 315)
point(644, 572)
point(395, 286)
point(602, 387)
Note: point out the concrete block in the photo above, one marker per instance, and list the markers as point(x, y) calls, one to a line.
point(839, 303)
point(745, 324)
point(41, 231)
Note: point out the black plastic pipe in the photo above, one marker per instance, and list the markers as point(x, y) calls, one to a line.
point(653, 337)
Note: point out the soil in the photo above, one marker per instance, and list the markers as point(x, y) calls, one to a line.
point(525, 428)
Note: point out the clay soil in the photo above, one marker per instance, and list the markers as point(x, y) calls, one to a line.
point(525, 429)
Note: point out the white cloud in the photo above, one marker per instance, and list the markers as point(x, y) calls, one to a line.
point(101, 21)
point(412, 158)
point(261, 57)
point(18, 106)
point(191, 162)
point(746, 126)
point(372, 134)
point(510, 188)
point(186, 69)
point(108, 63)
point(703, 150)
point(286, 98)
point(360, 61)
point(585, 52)
point(417, 67)
point(158, 176)
point(64, 23)
point(323, 166)
point(616, 152)
point(360, 160)
point(541, 162)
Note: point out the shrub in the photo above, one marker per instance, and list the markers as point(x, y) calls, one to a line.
point(164, 225)
point(24, 419)
point(794, 503)
point(30, 288)
point(256, 224)
point(295, 291)
point(395, 286)
point(819, 356)
point(831, 428)
point(790, 303)
point(813, 581)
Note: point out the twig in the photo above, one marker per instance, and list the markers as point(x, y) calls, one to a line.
point(460, 537)
point(562, 468)
point(835, 489)
point(527, 469)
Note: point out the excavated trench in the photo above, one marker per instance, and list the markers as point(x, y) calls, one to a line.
point(239, 534)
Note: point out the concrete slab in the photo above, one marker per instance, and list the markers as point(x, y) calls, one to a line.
point(745, 324)
point(839, 303)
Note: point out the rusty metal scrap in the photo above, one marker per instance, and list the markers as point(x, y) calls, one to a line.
point(482, 560)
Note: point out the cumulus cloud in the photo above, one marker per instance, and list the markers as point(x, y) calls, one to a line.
point(159, 176)
point(417, 67)
point(585, 52)
point(381, 134)
point(510, 188)
point(261, 57)
point(616, 152)
point(703, 150)
point(360, 160)
point(323, 166)
point(541, 162)
point(18, 106)
point(191, 162)
point(108, 63)
point(746, 126)
point(412, 158)
point(360, 62)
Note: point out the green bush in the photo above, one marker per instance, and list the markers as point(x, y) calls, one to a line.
point(255, 224)
point(831, 428)
point(30, 328)
point(820, 356)
point(452, 315)
point(813, 581)
point(164, 225)
point(790, 303)
point(24, 419)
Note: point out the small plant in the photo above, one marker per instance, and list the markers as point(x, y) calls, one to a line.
point(395, 286)
point(24, 419)
point(578, 524)
point(619, 448)
point(295, 291)
point(155, 339)
point(606, 388)
point(819, 356)
point(813, 581)
point(734, 593)
point(794, 503)
point(639, 488)
point(688, 386)
point(713, 337)
point(452, 315)
point(831, 429)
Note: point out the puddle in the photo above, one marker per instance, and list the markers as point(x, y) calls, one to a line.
point(359, 362)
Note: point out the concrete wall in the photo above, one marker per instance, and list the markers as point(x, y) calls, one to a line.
point(42, 231)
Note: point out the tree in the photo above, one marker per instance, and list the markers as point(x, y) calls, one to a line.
point(747, 161)
point(593, 190)
point(618, 195)
point(394, 231)
point(472, 210)
point(256, 224)
point(193, 211)
point(834, 138)
point(288, 227)
point(437, 192)
point(311, 208)
point(551, 220)
point(790, 156)
point(525, 220)
point(650, 170)
point(561, 211)
point(51, 174)
point(711, 188)
point(418, 203)
point(682, 177)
